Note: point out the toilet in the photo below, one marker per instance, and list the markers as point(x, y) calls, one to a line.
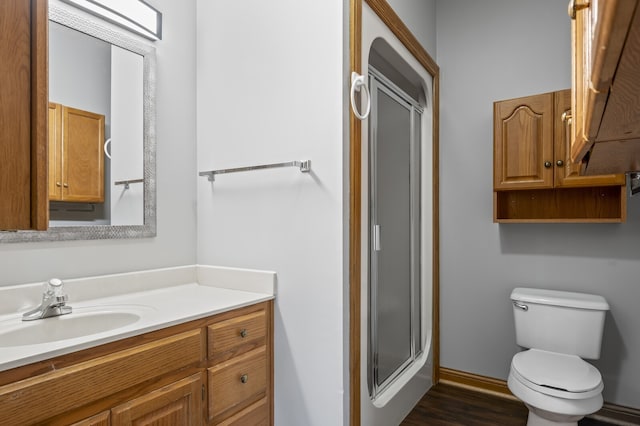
point(559, 329)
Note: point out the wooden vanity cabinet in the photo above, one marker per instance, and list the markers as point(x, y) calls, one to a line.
point(175, 376)
point(534, 177)
point(76, 155)
point(23, 115)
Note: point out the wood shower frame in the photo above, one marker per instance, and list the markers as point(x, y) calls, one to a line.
point(400, 30)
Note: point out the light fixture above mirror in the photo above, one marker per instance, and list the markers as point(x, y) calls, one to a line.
point(134, 15)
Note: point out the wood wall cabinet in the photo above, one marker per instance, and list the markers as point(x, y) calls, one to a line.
point(23, 115)
point(606, 85)
point(76, 155)
point(175, 376)
point(534, 177)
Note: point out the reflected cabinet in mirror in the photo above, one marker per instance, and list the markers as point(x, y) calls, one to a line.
point(101, 132)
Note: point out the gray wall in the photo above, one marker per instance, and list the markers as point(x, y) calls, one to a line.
point(420, 17)
point(176, 167)
point(79, 70)
point(487, 51)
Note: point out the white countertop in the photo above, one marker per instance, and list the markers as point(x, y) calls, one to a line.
point(158, 303)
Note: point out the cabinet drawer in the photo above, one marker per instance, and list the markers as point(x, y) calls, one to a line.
point(236, 335)
point(237, 383)
point(254, 415)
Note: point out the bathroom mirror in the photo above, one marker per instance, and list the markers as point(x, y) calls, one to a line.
point(99, 68)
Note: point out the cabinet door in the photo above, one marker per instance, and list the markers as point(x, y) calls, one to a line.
point(523, 143)
point(567, 173)
point(23, 115)
point(581, 74)
point(55, 152)
point(618, 64)
point(178, 404)
point(83, 156)
point(598, 34)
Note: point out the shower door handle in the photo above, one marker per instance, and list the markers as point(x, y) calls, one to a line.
point(376, 237)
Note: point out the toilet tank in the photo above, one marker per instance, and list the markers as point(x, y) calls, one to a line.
point(559, 321)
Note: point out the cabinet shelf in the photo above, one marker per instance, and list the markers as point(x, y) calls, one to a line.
point(606, 204)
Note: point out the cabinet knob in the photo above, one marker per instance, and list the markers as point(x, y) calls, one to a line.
point(244, 378)
point(66, 185)
point(58, 184)
point(547, 164)
point(559, 163)
point(574, 8)
point(243, 333)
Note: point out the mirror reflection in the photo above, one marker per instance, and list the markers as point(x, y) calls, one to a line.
point(96, 131)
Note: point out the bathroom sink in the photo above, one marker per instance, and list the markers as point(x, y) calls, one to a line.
point(79, 323)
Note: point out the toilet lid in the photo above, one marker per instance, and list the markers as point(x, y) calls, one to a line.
point(563, 372)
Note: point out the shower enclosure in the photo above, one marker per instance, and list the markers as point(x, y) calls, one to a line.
point(394, 93)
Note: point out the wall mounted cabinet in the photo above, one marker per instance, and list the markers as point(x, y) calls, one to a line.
point(534, 177)
point(23, 115)
point(606, 85)
point(76, 155)
point(216, 371)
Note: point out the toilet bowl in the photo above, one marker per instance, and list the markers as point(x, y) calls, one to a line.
point(551, 378)
point(536, 378)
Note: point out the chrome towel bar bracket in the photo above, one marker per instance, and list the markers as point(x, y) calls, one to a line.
point(304, 166)
point(126, 183)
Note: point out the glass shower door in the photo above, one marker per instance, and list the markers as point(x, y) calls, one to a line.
point(394, 276)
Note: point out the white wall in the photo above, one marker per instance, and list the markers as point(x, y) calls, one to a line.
point(176, 179)
point(493, 50)
point(270, 89)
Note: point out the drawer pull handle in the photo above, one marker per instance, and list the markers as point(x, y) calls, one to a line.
point(243, 333)
point(244, 378)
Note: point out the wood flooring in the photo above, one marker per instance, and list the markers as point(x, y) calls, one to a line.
point(446, 405)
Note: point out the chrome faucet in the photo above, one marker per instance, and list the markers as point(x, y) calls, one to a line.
point(53, 302)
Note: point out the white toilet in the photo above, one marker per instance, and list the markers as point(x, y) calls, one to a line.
point(551, 378)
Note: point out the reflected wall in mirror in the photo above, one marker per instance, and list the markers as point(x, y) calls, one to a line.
point(101, 132)
point(99, 81)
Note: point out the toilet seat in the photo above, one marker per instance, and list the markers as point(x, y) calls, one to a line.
point(555, 374)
